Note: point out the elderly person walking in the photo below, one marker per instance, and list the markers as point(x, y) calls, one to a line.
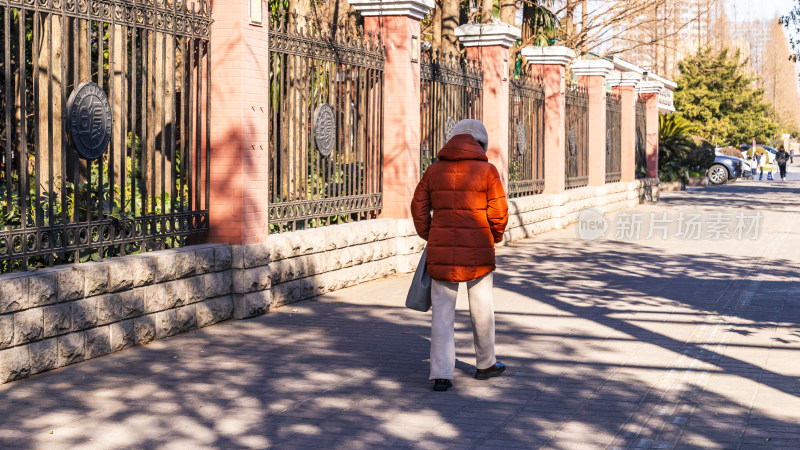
point(470, 214)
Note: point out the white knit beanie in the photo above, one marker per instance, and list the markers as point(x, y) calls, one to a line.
point(475, 129)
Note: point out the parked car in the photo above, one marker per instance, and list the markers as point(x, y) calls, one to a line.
point(771, 151)
point(727, 168)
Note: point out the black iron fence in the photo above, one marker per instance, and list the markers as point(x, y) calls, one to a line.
point(641, 139)
point(326, 88)
point(577, 136)
point(525, 135)
point(613, 138)
point(103, 128)
point(451, 89)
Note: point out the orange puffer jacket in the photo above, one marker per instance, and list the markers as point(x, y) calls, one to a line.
point(470, 212)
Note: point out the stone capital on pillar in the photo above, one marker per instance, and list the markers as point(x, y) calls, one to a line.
point(550, 63)
point(592, 74)
point(398, 23)
point(629, 79)
point(416, 9)
point(592, 68)
point(554, 55)
point(489, 43)
point(488, 34)
point(650, 87)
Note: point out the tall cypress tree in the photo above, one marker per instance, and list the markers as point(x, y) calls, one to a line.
point(719, 98)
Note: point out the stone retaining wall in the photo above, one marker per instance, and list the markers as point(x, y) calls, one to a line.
point(58, 316)
point(532, 215)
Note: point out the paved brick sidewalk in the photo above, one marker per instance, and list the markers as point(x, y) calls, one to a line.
point(625, 342)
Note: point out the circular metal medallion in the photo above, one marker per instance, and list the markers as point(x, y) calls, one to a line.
point(573, 148)
point(89, 120)
point(522, 138)
point(448, 128)
point(324, 127)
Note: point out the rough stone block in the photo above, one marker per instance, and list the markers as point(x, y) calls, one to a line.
point(252, 304)
point(214, 310)
point(43, 289)
point(28, 326)
point(174, 294)
point(122, 305)
point(98, 342)
point(84, 314)
point(165, 266)
point(14, 364)
point(166, 324)
point(95, 278)
point(217, 284)
point(6, 331)
point(132, 303)
point(185, 264)
point(71, 348)
point(144, 329)
point(57, 319)
point(44, 355)
point(204, 259)
point(13, 293)
point(120, 276)
point(121, 335)
point(237, 256)
point(250, 280)
point(256, 255)
point(70, 284)
point(186, 317)
point(195, 289)
point(223, 258)
point(155, 298)
point(142, 269)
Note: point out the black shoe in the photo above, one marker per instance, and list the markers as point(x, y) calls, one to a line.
point(442, 384)
point(494, 371)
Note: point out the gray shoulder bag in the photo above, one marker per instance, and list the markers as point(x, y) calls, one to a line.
point(419, 294)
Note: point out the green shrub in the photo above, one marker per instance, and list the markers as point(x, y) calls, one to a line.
point(674, 146)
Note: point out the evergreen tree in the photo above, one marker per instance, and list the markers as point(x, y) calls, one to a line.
point(717, 96)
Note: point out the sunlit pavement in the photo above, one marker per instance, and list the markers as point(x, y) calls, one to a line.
point(681, 340)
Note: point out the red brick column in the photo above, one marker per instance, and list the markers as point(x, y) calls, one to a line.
point(592, 74)
point(625, 87)
point(239, 126)
point(550, 63)
point(489, 44)
point(398, 23)
point(649, 91)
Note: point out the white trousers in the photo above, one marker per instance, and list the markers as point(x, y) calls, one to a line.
point(481, 311)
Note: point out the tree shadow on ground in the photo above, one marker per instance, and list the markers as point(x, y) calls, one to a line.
point(350, 370)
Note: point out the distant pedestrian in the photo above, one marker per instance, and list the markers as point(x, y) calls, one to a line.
point(760, 164)
point(470, 214)
point(791, 156)
point(782, 158)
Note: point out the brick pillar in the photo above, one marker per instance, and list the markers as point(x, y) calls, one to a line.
point(489, 43)
point(398, 23)
point(625, 87)
point(239, 130)
point(649, 91)
point(550, 64)
point(592, 74)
